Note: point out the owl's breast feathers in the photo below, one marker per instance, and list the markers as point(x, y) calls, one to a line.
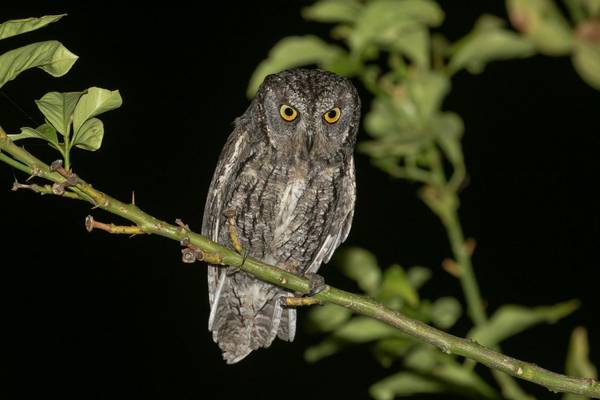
point(284, 213)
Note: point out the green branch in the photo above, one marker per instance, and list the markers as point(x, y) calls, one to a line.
point(218, 254)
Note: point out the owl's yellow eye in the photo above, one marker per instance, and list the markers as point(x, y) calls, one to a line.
point(288, 113)
point(332, 116)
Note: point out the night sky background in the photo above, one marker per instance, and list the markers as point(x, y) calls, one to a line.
point(96, 316)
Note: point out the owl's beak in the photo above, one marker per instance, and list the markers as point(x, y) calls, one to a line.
point(310, 141)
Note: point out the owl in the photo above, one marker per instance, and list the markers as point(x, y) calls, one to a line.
point(286, 177)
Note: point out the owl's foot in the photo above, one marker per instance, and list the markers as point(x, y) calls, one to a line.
point(316, 283)
point(232, 229)
point(300, 301)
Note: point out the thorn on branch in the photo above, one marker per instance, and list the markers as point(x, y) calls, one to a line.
point(91, 224)
point(184, 227)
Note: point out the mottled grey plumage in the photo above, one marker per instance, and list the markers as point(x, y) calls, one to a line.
point(291, 185)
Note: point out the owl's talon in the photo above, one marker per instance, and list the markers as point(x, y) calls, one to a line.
point(316, 283)
point(232, 230)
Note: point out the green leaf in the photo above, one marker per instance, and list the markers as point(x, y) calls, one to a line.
point(404, 384)
point(327, 317)
point(542, 22)
point(395, 288)
point(18, 26)
point(486, 43)
point(333, 11)
point(51, 56)
point(387, 350)
point(427, 91)
point(361, 266)
point(445, 369)
point(89, 136)
point(294, 51)
point(510, 319)
point(445, 311)
point(448, 129)
point(364, 329)
point(58, 109)
point(45, 132)
point(418, 276)
point(387, 22)
point(356, 330)
point(321, 350)
point(414, 44)
point(578, 362)
point(586, 60)
point(94, 102)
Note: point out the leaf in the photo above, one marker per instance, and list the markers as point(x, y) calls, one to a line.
point(333, 11)
point(427, 91)
point(327, 317)
point(51, 56)
point(386, 22)
point(45, 132)
point(58, 109)
point(586, 60)
point(486, 43)
point(403, 384)
point(18, 26)
point(541, 22)
point(395, 287)
point(364, 329)
point(94, 102)
point(578, 362)
point(361, 266)
point(445, 311)
point(292, 52)
point(418, 276)
point(324, 349)
point(445, 369)
point(89, 136)
point(510, 319)
point(414, 44)
point(387, 350)
point(448, 129)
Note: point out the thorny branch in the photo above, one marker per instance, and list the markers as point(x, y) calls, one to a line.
point(198, 247)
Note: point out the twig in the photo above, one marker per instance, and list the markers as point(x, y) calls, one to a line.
point(447, 343)
point(91, 224)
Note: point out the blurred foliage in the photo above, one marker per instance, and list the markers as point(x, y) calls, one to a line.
point(388, 46)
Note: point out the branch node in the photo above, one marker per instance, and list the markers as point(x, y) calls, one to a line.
point(58, 189)
point(184, 227)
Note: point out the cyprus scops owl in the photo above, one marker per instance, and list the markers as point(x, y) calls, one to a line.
point(286, 174)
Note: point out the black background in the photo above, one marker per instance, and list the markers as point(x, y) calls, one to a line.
point(100, 316)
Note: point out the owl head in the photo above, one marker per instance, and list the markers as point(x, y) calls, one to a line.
point(308, 114)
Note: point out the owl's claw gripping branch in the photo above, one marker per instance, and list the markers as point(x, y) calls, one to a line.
point(232, 229)
point(301, 301)
point(316, 283)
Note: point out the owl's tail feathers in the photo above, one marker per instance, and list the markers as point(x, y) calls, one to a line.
point(249, 317)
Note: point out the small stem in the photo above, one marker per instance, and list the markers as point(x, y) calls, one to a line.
point(91, 224)
point(14, 163)
point(45, 189)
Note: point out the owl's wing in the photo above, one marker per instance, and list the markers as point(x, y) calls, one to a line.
point(230, 159)
point(344, 212)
